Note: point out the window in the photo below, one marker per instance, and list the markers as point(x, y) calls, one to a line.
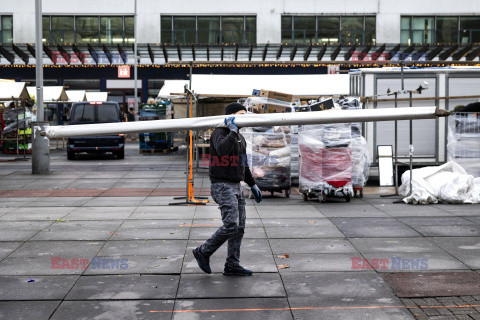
point(328, 29)
point(470, 29)
point(108, 113)
point(440, 29)
point(84, 113)
point(111, 30)
point(208, 29)
point(88, 29)
point(6, 29)
point(62, 29)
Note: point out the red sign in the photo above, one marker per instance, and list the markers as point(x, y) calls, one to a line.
point(124, 71)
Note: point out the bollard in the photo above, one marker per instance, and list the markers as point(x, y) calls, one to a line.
point(40, 149)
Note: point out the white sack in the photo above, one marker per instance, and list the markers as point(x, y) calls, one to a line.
point(448, 183)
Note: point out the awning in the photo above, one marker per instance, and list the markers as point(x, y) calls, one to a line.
point(96, 96)
point(172, 86)
point(76, 95)
point(13, 91)
point(54, 93)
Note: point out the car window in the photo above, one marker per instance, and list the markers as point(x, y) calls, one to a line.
point(108, 113)
point(84, 113)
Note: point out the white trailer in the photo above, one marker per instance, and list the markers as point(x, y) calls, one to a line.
point(429, 136)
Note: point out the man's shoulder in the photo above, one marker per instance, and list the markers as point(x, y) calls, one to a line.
point(221, 131)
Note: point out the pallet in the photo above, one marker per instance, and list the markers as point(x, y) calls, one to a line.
point(150, 151)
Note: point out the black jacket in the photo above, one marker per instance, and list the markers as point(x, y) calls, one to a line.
point(228, 157)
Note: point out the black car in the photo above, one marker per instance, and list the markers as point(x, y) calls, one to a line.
point(96, 112)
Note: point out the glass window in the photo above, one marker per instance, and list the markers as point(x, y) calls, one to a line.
point(352, 29)
point(46, 29)
point(108, 113)
point(166, 26)
point(111, 29)
point(304, 29)
point(209, 30)
point(7, 23)
point(87, 29)
point(447, 29)
point(6, 29)
point(370, 28)
point(84, 113)
point(405, 37)
point(184, 29)
point(287, 29)
point(232, 30)
point(62, 29)
point(129, 33)
point(423, 29)
point(328, 29)
point(470, 29)
point(405, 23)
point(251, 30)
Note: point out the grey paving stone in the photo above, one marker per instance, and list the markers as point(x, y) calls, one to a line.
point(121, 310)
point(373, 227)
point(99, 213)
point(78, 230)
point(156, 201)
point(26, 310)
point(460, 209)
point(63, 249)
point(59, 202)
point(115, 202)
point(437, 261)
point(259, 285)
point(16, 235)
point(407, 210)
point(297, 222)
point(164, 264)
point(143, 248)
point(240, 309)
point(217, 222)
point(124, 287)
point(7, 248)
point(326, 231)
point(36, 266)
point(288, 213)
point(416, 245)
point(103, 183)
point(465, 249)
point(3, 210)
point(37, 213)
point(153, 234)
point(159, 223)
point(24, 225)
point(472, 230)
point(166, 214)
point(42, 288)
point(205, 233)
point(288, 246)
point(473, 219)
point(215, 213)
point(300, 262)
point(361, 210)
point(435, 221)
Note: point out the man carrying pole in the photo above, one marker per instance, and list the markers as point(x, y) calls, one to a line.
point(228, 166)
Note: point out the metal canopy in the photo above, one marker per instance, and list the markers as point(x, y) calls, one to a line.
point(162, 54)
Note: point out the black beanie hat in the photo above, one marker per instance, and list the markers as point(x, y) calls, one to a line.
point(234, 107)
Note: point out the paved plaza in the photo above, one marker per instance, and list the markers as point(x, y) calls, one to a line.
point(97, 239)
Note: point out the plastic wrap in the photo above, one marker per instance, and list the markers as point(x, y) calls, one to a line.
point(464, 141)
point(267, 105)
point(325, 158)
point(269, 156)
point(360, 161)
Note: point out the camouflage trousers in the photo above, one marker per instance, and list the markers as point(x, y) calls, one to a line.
point(231, 202)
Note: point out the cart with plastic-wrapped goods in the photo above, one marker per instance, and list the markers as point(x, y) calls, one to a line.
point(325, 159)
point(269, 157)
point(360, 165)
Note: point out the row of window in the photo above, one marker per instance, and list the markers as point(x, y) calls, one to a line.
point(6, 29)
point(215, 29)
point(243, 29)
point(448, 29)
point(328, 29)
point(88, 29)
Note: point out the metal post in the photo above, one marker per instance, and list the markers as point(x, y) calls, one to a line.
point(40, 144)
point(410, 149)
point(396, 147)
point(135, 62)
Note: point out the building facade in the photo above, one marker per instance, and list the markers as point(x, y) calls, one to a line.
point(245, 22)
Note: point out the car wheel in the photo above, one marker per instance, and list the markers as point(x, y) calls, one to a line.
point(70, 155)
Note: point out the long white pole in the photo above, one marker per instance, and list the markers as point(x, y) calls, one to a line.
point(39, 59)
point(248, 120)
